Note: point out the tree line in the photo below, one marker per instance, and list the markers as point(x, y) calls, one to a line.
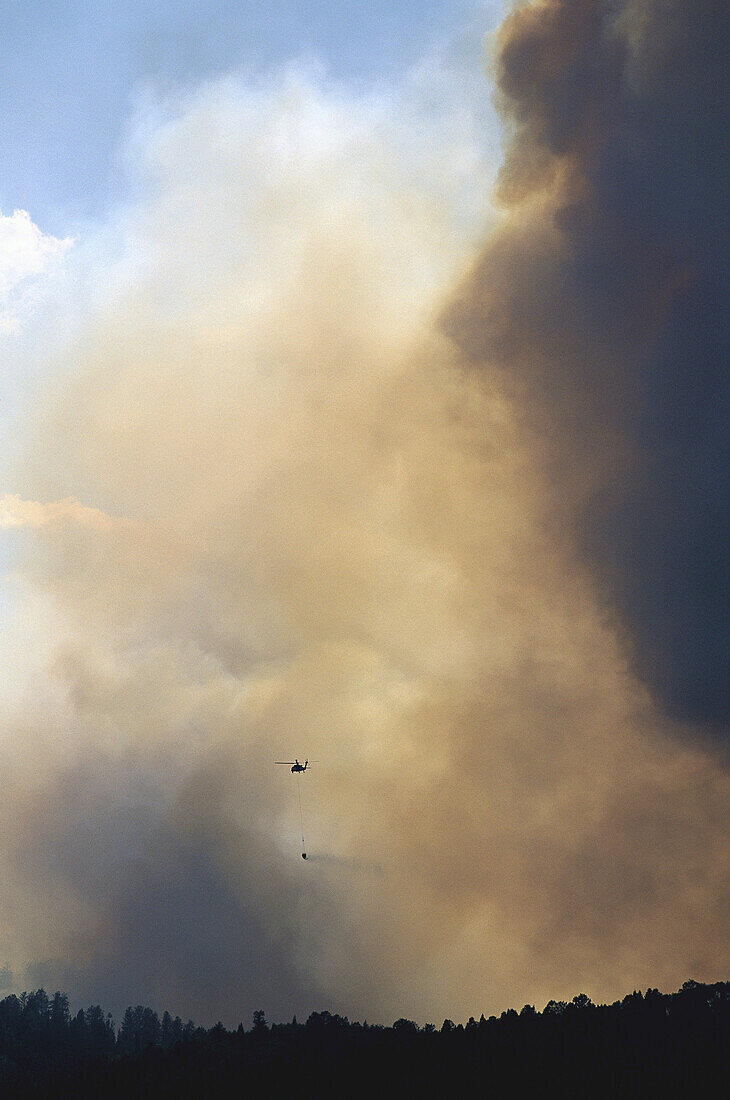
point(646, 1045)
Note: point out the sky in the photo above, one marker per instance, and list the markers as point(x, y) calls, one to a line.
point(363, 399)
point(73, 75)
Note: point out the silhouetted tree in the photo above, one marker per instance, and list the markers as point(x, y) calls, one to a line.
point(647, 1045)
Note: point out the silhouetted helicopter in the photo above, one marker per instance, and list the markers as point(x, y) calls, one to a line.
point(295, 765)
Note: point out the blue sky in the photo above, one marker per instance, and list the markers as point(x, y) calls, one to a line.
point(72, 73)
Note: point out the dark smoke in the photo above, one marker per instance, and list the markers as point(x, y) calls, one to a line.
point(602, 303)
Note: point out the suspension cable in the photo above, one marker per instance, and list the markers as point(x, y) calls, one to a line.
point(301, 819)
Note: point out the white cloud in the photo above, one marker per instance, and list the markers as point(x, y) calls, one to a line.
point(26, 253)
point(15, 512)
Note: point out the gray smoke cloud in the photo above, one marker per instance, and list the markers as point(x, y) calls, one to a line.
point(603, 303)
point(262, 511)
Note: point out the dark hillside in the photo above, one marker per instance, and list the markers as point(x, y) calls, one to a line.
point(647, 1045)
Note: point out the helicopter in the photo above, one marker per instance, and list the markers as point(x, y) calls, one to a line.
point(295, 765)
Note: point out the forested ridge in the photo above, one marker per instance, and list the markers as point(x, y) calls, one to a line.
point(647, 1045)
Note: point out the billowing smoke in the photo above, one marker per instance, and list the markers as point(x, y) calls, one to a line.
point(264, 512)
point(603, 303)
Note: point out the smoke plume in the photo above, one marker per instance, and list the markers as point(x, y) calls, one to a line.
point(268, 509)
point(602, 303)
